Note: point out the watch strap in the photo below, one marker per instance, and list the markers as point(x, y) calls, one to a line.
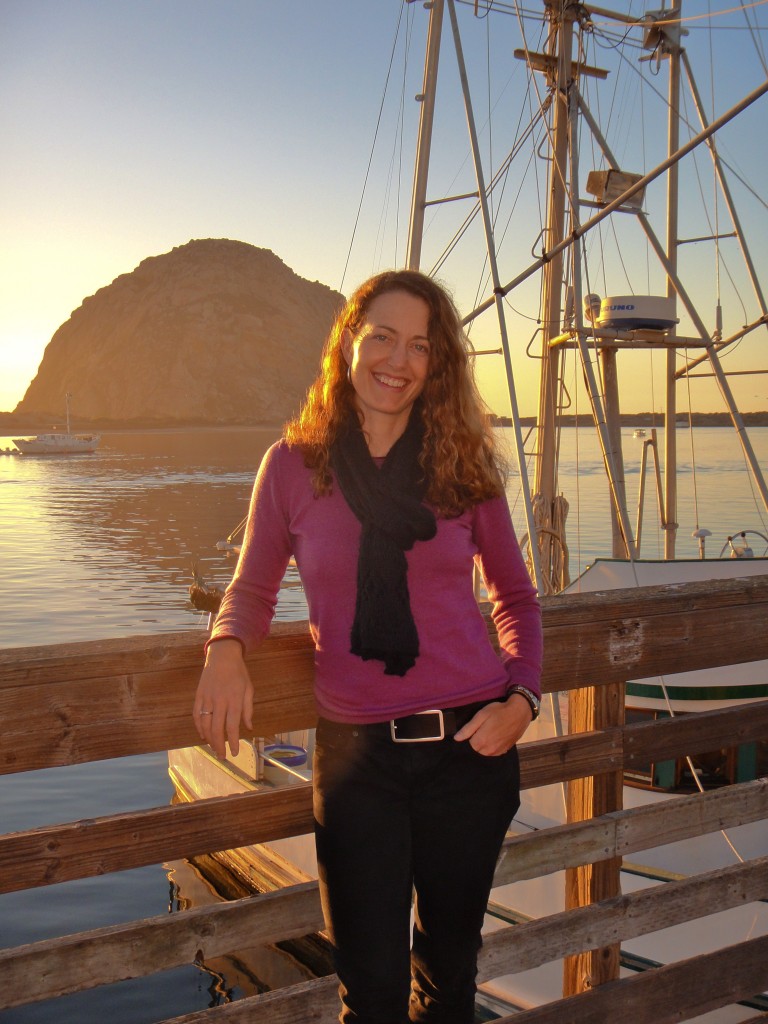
point(530, 696)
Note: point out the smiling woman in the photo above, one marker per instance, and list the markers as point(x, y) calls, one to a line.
point(386, 490)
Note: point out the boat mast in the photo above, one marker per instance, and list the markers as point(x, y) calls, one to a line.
point(560, 70)
point(559, 46)
point(426, 120)
point(669, 44)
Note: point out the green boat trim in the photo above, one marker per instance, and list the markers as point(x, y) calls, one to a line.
point(751, 691)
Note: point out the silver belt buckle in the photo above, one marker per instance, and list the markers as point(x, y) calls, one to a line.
point(419, 739)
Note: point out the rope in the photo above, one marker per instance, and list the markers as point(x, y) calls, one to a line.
point(550, 535)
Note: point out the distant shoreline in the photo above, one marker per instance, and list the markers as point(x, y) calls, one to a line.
point(37, 425)
point(649, 419)
point(28, 424)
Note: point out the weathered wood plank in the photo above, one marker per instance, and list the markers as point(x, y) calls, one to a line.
point(689, 734)
point(144, 703)
point(311, 1002)
point(139, 655)
point(47, 693)
point(107, 955)
point(517, 949)
point(150, 718)
point(125, 951)
point(97, 846)
point(667, 995)
point(617, 635)
point(624, 832)
point(544, 762)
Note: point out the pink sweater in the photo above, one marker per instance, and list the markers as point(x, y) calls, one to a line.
point(456, 665)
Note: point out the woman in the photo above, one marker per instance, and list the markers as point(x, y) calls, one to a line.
point(386, 489)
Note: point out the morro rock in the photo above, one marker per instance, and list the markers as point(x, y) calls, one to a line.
point(214, 331)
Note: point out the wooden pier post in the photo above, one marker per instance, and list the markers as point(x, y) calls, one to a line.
point(590, 709)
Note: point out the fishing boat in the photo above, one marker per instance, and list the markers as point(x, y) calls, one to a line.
point(589, 223)
point(58, 442)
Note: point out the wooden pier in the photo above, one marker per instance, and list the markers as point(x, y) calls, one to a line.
point(75, 703)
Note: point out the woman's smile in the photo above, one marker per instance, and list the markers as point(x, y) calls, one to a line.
point(391, 382)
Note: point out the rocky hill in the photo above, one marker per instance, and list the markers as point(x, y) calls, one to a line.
point(215, 331)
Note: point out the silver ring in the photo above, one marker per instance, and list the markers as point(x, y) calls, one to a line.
point(206, 713)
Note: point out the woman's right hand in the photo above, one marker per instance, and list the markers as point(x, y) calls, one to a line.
point(224, 697)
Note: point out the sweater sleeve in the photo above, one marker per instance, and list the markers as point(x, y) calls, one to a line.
point(249, 602)
point(516, 612)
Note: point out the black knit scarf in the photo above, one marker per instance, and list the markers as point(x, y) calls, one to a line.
point(387, 501)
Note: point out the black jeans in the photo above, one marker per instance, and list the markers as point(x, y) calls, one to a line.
point(392, 818)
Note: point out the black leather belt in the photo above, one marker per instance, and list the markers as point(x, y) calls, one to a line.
point(423, 727)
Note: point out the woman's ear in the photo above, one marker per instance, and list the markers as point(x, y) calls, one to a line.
point(347, 345)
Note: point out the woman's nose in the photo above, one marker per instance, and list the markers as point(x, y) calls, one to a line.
point(398, 353)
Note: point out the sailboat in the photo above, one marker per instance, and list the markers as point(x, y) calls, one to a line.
point(58, 442)
point(584, 320)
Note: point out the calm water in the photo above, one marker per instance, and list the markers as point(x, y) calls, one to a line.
point(102, 546)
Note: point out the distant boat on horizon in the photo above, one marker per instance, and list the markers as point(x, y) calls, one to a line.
point(57, 442)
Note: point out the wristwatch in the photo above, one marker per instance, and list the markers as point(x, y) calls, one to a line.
point(530, 696)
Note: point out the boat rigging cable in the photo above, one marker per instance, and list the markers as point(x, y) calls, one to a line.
point(373, 148)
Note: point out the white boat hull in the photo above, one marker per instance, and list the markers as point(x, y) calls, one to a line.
point(58, 444)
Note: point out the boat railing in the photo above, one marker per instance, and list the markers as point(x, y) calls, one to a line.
point(74, 703)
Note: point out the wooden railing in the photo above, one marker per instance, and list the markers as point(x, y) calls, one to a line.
point(75, 703)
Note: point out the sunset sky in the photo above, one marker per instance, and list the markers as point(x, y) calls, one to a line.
point(132, 126)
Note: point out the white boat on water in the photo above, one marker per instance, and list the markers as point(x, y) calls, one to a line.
point(581, 337)
point(58, 442)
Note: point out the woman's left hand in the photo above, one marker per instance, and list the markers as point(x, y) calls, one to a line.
point(497, 727)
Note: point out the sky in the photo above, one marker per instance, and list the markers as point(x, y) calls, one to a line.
point(133, 126)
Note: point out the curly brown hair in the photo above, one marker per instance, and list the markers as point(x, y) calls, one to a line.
point(459, 452)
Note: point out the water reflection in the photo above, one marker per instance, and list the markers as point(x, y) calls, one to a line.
point(102, 545)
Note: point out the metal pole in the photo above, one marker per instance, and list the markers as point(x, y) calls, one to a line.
point(606, 414)
point(560, 47)
point(670, 412)
point(426, 120)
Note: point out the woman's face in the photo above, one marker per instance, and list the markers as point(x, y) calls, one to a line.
point(389, 357)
